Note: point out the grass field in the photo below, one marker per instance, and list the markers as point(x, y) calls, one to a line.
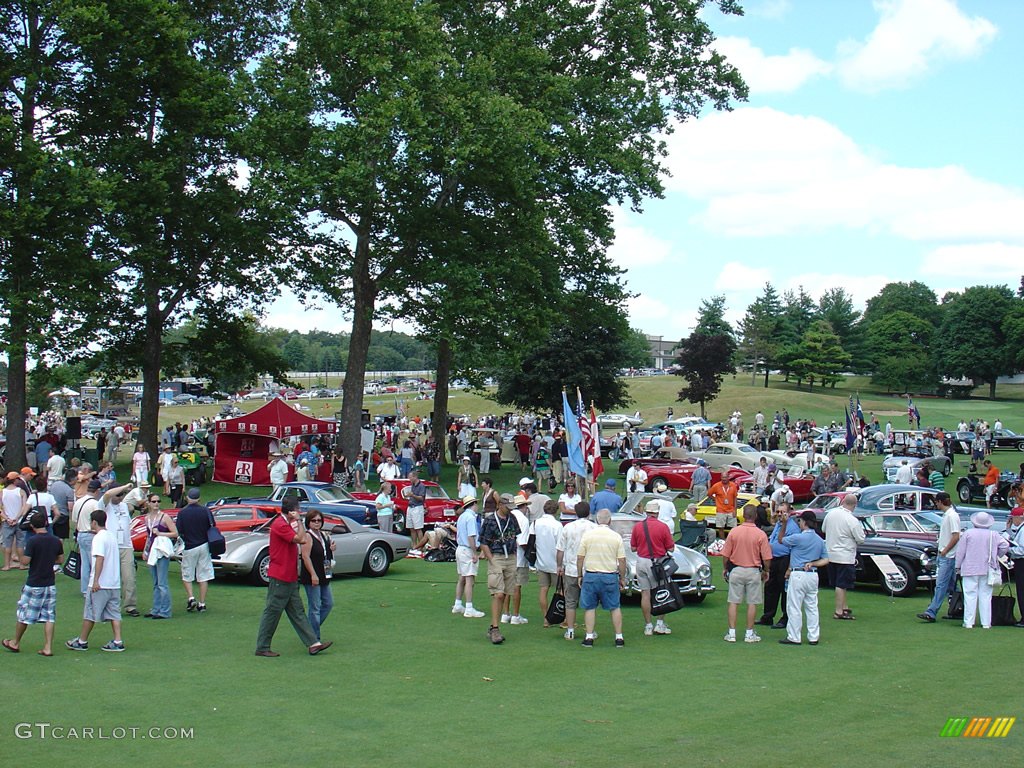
point(407, 683)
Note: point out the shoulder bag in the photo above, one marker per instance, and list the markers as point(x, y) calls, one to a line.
point(218, 546)
point(665, 594)
point(556, 609)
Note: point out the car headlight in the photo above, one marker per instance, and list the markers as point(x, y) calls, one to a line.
point(925, 559)
point(704, 573)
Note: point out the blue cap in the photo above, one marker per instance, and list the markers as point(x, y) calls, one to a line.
point(702, 463)
point(609, 483)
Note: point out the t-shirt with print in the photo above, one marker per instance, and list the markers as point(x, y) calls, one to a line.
point(499, 535)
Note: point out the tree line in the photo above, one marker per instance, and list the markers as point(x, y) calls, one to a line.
point(167, 164)
point(906, 338)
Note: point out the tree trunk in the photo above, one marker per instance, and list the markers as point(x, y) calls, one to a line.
point(992, 390)
point(152, 359)
point(364, 296)
point(766, 376)
point(702, 414)
point(439, 417)
point(14, 452)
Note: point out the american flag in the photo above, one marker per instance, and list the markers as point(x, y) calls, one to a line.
point(591, 437)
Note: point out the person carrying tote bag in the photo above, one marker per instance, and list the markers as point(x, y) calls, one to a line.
point(977, 555)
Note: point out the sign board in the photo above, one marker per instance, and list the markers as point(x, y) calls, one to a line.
point(895, 580)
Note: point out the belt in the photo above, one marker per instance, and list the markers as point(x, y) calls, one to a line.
point(802, 570)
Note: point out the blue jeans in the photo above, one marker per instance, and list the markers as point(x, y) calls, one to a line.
point(85, 547)
point(407, 465)
point(320, 602)
point(945, 583)
point(433, 468)
point(161, 588)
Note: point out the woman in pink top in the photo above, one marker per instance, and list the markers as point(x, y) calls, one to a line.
point(978, 551)
point(140, 465)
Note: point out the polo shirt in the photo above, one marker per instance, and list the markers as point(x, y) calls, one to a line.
point(747, 547)
point(601, 549)
point(467, 525)
point(725, 497)
point(605, 500)
point(777, 542)
point(805, 547)
point(661, 538)
point(284, 552)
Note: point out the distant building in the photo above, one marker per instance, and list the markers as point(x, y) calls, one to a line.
point(662, 350)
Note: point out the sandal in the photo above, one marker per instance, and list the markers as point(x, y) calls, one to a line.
point(10, 646)
point(843, 616)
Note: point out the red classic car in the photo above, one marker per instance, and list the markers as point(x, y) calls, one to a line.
point(229, 517)
point(439, 507)
point(677, 474)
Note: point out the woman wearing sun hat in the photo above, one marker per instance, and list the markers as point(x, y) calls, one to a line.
point(978, 552)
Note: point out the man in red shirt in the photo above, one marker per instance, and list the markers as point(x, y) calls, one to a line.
point(287, 534)
point(990, 482)
point(746, 558)
point(660, 544)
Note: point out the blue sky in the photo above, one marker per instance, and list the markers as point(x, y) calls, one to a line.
point(880, 142)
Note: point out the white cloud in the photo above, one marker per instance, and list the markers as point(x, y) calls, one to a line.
point(771, 74)
point(769, 9)
point(986, 263)
point(635, 246)
point(911, 37)
point(654, 316)
point(763, 172)
point(741, 278)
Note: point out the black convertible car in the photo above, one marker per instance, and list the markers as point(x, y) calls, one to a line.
point(970, 489)
point(914, 560)
point(1005, 438)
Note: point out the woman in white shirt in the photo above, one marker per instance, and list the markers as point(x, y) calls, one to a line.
point(140, 465)
point(567, 502)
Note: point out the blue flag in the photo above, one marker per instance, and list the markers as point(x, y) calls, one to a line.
point(573, 439)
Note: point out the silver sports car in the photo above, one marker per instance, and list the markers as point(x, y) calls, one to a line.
point(358, 550)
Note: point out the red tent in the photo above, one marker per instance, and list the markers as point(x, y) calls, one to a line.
point(243, 444)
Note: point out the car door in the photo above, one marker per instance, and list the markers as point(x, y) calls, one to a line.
point(349, 548)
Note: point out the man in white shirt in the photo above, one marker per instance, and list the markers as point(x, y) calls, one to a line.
point(843, 532)
point(119, 522)
point(636, 478)
point(55, 466)
point(278, 469)
point(905, 474)
point(945, 571)
point(666, 509)
point(389, 470)
point(546, 532)
point(513, 602)
point(567, 550)
point(102, 598)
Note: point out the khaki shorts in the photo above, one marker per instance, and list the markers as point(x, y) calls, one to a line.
point(523, 575)
point(746, 586)
point(572, 592)
point(725, 520)
point(546, 579)
point(501, 575)
point(196, 564)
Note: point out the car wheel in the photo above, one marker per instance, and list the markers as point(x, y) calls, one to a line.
point(947, 469)
point(378, 560)
point(1020, 446)
point(902, 585)
point(260, 576)
point(963, 492)
point(693, 599)
point(659, 479)
point(398, 523)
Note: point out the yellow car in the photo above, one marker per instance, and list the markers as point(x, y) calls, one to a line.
point(706, 507)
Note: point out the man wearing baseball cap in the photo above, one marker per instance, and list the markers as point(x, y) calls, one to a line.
point(193, 521)
point(606, 498)
point(467, 559)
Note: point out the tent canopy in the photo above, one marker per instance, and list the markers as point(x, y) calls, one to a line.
point(276, 420)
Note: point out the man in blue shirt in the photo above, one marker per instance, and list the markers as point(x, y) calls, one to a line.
point(775, 587)
point(606, 499)
point(806, 556)
point(467, 559)
point(700, 481)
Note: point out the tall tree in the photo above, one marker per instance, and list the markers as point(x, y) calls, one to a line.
point(836, 307)
point(819, 356)
point(798, 310)
point(167, 117)
point(972, 342)
point(48, 199)
point(409, 113)
point(703, 360)
point(901, 344)
point(914, 296)
point(711, 318)
point(585, 349)
point(760, 332)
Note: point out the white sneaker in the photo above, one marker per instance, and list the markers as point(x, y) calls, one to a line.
point(570, 634)
point(519, 620)
point(458, 609)
point(505, 618)
point(752, 637)
point(662, 629)
point(729, 637)
point(648, 630)
point(472, 613)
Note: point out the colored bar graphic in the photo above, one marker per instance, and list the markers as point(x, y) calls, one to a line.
point(978, 727)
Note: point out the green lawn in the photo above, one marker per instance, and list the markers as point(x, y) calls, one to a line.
point(408, 683)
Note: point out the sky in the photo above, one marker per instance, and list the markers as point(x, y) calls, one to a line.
point(880, 142)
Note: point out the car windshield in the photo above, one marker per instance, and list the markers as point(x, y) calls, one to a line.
point(623, 527)
point(825, 501)
point(333, 493)
point(927, 523)
point(436, 492)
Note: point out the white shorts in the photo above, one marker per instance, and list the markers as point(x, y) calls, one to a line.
point(464, 562)
point(414, 518)
point(196, 564)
